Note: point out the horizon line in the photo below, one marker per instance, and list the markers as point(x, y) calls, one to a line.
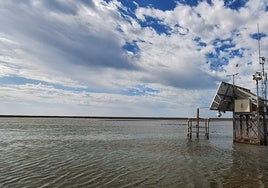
point(108, 117)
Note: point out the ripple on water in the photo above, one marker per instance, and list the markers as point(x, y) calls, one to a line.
point(95, 153)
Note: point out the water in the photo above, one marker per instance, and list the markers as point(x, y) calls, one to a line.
point(124, 153)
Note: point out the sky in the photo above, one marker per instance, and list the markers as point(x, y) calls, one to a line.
point(126, 58)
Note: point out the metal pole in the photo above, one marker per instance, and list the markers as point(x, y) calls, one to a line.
point(197, 123)
point(233, 98)
point(258, 112)
point(261, 62)
point(264, 91)
point(233, 75)
point(257, 76)
point(189, 129)
point(208, 129)
point(259, 45)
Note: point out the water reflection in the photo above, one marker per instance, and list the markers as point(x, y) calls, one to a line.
point(249, 167)
point(97, 153)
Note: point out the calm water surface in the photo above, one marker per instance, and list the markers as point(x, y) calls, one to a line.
point(124, 153)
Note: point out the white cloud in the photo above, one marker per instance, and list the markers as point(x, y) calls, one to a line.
point(167, 99)
point(80, 45)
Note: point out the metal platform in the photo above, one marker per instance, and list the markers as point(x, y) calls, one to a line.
point(249, 113)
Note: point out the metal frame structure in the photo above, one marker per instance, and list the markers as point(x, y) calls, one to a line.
point(249, 113)
point(198, 125)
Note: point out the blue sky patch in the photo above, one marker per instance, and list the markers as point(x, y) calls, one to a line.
point(216, 62)
point(156, 25)
point(127, 11)
point(223, 45)
point(258, 36)
point(199, 42)
point(16, 80)
point(193, 3)
point(139, 90)
point(237, 53)
point(235, 5)
point(228, 47)
point(161, 5)
point(132, 47)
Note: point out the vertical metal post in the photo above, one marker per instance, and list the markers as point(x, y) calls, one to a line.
point(234, 127)
point(258, 112)
point(234, 116)
point(264, 128)
point(197, 123)
point(233, 75)
point(241, 126)
point(234, 121)
point(207, 128)
point(261, 62)
point(257, 76)
point(189, 129)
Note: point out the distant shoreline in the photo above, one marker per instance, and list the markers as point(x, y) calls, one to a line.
point(110, 117)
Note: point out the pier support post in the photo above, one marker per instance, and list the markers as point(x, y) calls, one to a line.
point(197, 123)
point(207, 128)
point(189, 129)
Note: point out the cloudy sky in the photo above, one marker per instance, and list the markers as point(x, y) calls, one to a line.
point(125, 58)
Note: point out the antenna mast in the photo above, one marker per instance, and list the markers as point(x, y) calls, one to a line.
point(263, 73)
